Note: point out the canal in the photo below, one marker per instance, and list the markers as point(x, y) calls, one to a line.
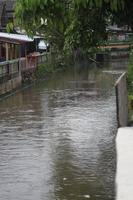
point(57, 138)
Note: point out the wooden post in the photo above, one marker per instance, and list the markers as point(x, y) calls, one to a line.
point(0, 49)
point(8, 44)
point(11, 51)
point(25, 50)
point(7, 52)
point(14, 55)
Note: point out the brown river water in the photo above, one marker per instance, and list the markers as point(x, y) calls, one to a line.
point(57, 138)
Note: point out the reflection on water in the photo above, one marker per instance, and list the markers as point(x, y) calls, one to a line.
point(57, 139)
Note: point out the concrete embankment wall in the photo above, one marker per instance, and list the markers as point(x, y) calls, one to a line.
point(10, 85)
point(10, 76)
point(122, 100)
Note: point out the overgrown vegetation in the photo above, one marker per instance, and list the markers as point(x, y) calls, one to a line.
point(130, 86)
point(53, 64)
point(45, 69)
point(130, 73)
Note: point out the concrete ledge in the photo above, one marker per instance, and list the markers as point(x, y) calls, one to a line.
point(124, 176)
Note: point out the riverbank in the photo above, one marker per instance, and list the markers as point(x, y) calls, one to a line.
point(124, 176)
point(29, 82)
point(16, 74)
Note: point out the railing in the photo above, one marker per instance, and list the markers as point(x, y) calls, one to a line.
point(119, 42)
point(31, 62)
point(42, 58)
point(23, 64)
point(12, 69)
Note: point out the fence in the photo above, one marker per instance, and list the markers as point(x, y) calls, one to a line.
point(41, 58)
point(122, 100)
point(22, 64)
point(31, 62)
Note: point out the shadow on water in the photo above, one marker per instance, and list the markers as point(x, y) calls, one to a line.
point(85, 180)
point(57, 139)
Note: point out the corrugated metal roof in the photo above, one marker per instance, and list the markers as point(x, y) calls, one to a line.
point(10, 5)
point(15, 37)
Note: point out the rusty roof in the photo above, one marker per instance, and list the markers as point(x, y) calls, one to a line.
point(9, 4)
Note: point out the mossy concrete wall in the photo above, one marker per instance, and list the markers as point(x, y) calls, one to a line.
point(10, 85)
point(122, 100)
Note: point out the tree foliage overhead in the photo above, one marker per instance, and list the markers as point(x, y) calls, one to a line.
point(67, 24)
point(125, 16)
point(48, 17)
point(114, 4)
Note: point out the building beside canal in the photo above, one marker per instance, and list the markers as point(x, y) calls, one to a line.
point(19, 54)
point(119, 34)
point(19, 57)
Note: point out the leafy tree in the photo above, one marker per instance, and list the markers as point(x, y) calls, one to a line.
point(67, 24)
point(87, 28)
point(125, 16)
point(114, 4)
point(50, 18)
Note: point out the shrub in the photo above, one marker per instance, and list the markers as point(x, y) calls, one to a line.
point(44, 69)
point(130, 73)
